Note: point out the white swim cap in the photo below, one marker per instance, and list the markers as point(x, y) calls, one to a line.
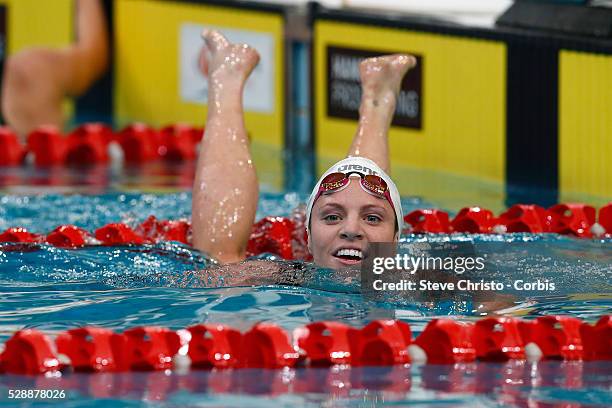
point(365, 166)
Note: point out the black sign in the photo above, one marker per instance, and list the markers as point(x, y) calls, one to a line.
point(344, 87)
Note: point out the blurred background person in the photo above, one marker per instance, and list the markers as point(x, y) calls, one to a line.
point(36, 80)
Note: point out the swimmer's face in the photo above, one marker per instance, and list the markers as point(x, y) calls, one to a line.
point(348, 220)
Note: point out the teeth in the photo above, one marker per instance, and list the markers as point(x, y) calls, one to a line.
point(350, 252)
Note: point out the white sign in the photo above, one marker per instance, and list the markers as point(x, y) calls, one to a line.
point(259, 90)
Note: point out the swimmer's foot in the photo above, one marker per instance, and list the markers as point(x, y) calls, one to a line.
point(381, 77)
point(226, 62)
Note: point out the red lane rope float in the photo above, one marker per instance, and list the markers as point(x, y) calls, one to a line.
point(276, 235)
point(575, 219)
point(118, 234)
point(475, 220)
point(273, 235)
point(47, 145)
point(557, 337)
point(178, 142)
point(525, 218)
point(18, 234)
point(89, 144)
point(286, 237)
point(29, 352)
point(568, 219)
point(145, 348)
point(214, 346)
point(428, 220)
point(68, 236)
point(154, 230)
point(12, 151)
point(605, 218)
point(139, 142)
point(498, 339)
point(381, 343)
point(266, 345)
point(326, 343)
point(597, 339)
point(446, 342)
point(88, 348)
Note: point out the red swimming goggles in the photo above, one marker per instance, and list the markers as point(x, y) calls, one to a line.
point(370, 183)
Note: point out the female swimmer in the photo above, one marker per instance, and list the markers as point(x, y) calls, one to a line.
point(354, 203)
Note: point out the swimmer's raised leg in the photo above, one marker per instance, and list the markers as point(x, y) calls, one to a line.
point(381, 78)
point(226, 190)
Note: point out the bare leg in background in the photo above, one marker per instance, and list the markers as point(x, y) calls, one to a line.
point(37, 80)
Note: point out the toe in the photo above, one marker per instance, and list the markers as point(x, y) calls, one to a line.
point(215, 41)
point(405, 60)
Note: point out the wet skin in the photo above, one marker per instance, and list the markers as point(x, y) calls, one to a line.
point(348, 219)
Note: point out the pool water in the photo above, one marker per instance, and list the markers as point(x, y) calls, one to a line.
point(550, 384)
point(54, 289)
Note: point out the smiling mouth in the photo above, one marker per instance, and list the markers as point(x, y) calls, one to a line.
point(349, 256)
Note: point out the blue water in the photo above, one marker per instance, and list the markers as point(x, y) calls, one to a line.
point(54, 289)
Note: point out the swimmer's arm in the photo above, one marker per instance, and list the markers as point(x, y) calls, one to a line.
point(252, 273)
